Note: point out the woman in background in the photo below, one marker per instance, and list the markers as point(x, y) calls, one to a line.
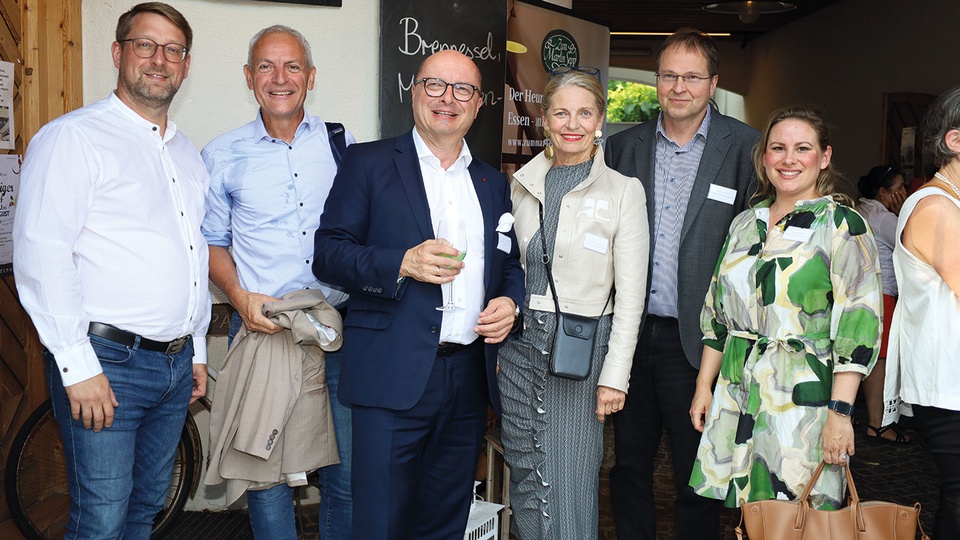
point(882, 192)
point(791, 324)
point(595, 231)
point(923, 367)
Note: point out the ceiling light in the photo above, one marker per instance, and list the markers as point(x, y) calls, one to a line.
point(749, 11)
point(656, 34)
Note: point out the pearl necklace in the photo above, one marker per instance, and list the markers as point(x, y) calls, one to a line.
point(947, 181)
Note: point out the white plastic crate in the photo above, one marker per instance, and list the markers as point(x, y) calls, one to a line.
point(484, 521)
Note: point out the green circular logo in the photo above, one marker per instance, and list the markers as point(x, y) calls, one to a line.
point(559, 49)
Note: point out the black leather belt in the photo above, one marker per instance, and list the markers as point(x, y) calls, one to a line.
point(129, 339)
point(447, 349)
point(662, 320)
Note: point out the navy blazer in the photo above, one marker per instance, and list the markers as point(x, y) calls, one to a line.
point(377, 209)
point(726, 161)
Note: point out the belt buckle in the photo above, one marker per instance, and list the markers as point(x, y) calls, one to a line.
point(176, 345)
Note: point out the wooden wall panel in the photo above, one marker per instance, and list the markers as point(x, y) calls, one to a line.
point(43, 39)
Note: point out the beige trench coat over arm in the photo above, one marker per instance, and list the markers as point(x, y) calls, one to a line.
point(271, 411)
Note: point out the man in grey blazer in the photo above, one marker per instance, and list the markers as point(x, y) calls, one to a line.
point(696, 167)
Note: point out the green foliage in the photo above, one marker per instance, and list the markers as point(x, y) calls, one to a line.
point(631, 102)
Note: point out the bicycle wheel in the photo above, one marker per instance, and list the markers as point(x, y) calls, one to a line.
point(184, 478)
point(36, 478)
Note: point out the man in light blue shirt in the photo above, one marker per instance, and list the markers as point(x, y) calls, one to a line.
point(269, 182)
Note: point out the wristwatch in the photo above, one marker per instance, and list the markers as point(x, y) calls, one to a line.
point(840, 407)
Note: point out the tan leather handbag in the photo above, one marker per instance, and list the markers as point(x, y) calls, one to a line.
point(859, 520)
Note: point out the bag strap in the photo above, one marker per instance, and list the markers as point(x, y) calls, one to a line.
point(337, 135)
point(923, 533)
point(813, 480)
point(546, 262)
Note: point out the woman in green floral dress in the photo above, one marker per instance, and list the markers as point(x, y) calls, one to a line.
point(791, 323)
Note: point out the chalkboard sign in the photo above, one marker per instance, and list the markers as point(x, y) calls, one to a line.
point(412, 30)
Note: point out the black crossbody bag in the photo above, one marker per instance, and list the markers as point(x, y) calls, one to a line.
point(575, 336)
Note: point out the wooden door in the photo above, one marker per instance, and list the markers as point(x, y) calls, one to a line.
point(42, 39)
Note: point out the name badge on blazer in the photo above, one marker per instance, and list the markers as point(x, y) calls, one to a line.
point(503, 243)
point(722, 194)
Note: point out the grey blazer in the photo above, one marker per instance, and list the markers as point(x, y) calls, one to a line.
point(727, 162)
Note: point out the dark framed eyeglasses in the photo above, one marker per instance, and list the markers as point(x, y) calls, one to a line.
point(146, 48)
point(435, 87)
point(689, 80)
point(589, 70)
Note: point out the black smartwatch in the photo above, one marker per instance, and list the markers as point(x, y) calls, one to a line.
point(840, 407)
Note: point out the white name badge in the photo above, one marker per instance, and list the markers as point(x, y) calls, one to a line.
point(503, 243)
point(595, 243)
point(722, 194)
point(797, 234)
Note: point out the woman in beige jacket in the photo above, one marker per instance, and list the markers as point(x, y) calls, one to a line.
point(596, 230)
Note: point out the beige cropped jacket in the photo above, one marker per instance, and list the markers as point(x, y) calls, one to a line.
point(602, 242)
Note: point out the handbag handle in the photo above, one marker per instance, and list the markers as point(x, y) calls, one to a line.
point(853, 501)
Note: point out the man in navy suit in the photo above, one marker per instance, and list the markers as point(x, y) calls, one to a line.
point(695, 165)
point(418, 379)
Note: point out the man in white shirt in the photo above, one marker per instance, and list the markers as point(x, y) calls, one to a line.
point(269, 181)
point(418, 379)
point(112, 268)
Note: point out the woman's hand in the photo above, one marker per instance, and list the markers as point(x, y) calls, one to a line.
point(710, 362)
point(897, 199)
point(609, 401)
point(699, 407)
point(837, 439)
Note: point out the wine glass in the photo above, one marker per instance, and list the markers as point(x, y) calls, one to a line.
point(455, 232)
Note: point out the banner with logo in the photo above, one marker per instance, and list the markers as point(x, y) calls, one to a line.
point(412, 30)
point(542, 37)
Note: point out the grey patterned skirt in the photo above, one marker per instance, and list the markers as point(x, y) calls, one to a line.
point(552, 439)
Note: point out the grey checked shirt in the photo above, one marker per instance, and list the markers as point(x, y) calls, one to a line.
point(674, 174)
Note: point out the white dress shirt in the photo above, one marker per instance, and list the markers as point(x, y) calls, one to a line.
point(107, 229)
point(451, 197)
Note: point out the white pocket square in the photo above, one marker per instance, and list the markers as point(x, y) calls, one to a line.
point(505, 223)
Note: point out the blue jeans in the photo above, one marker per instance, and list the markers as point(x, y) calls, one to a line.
point(271, 509)
point(271, 513)
point(336, 495)
point(118, 477)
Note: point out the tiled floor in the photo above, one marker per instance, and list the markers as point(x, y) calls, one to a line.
point(900, 473)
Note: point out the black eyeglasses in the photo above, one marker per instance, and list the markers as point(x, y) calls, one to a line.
point(437, 87)
point(146, 48)
point(567, 69)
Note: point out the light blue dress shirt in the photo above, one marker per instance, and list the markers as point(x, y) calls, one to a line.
point(265, 201)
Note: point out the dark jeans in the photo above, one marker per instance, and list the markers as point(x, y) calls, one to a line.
point(662, 384)
point(941, 435)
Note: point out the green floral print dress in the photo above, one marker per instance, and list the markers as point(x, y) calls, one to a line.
point(788, 309)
